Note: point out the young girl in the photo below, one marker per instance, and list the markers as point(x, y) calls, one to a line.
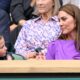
point(4, 55)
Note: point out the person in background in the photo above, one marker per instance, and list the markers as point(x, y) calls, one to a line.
point(37, 33)
point(66, 2)
point(61, 2)
point(4, 54)
point(67, 47)
point(5, 21)
point(75, 2)
point(21, 11)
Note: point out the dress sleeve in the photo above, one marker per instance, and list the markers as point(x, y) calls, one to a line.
point(50, 55)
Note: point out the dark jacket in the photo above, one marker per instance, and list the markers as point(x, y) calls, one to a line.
point(5, 20)
point(21, 9)
point(5, 5)
point(61, 2)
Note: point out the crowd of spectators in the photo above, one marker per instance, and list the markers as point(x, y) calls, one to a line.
point(22, 22)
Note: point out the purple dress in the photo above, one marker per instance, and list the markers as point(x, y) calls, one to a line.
point(62, 50)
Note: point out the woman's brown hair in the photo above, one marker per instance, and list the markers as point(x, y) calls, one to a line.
point(74, 11)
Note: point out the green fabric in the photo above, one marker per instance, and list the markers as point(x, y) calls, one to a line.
point(17, 57)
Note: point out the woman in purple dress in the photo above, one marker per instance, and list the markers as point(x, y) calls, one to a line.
point(68, 46)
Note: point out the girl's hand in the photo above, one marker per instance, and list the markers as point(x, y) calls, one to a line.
point(40, 56)
point(31, 55)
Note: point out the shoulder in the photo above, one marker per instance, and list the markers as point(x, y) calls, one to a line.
point(13, 56)
point(30, 22)
point(55, 18)
point(54, 46)
point(17, 57)
point(57, 42)
point(61, 42)
point(27, 24)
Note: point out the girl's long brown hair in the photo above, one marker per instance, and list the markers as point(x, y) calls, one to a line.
point(74, 11)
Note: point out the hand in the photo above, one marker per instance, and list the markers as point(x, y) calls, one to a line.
point(31, 55)
point(40, 56)
point(12, 27)
point(33, 3)
point(9, 57)
point(22, 22)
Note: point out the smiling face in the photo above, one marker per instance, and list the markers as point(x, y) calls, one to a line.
point(44, 6)
point(3, 48)
point(67, 22)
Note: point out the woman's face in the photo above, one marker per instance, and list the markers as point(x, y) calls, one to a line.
point(67, 22)
point(44, 6)
point(3, 48)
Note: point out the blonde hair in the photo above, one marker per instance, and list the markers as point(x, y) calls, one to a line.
point(56, 6)
point(74, 11)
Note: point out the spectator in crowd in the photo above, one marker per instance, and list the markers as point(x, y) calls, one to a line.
point(68, 46)
point(4, 55)
point(21, 10)
point(61, 2)
point(66, 1)
point(75, 2)
point(37, 33)
point(5, 21)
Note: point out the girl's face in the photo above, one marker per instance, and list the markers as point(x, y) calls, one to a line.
point(67, 22)
point(3, 48)
point(44, 6)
